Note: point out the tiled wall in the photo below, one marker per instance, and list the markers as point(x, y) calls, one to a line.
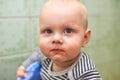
point(19, 32)
point(19, 25)
point(104, 47)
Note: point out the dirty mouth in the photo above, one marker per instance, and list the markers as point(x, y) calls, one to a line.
point(57, 50)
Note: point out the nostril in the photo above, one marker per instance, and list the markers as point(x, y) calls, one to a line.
point(58, 41)
point(57, 38)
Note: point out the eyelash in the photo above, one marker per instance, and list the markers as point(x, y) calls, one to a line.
point(66, 31)
point(47, 31)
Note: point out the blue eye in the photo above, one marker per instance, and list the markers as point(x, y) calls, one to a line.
point(48, 31)
point(68, 31)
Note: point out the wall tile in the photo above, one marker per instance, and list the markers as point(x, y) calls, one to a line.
point(14, 36)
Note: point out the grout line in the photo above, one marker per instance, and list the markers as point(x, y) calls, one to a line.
point(14, 17)
point(15, 56)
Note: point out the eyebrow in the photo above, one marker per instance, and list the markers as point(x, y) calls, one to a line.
point(73, 25)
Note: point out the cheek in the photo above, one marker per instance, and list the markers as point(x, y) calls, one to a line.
point(75, 43)
point(43, 41)
point(43, 45)
point(73, 48)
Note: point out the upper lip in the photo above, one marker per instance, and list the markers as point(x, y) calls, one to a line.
point(57, 49)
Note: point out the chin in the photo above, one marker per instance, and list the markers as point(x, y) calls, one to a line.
point(58, 59)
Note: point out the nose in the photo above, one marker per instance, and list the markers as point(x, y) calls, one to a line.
point(57, 39)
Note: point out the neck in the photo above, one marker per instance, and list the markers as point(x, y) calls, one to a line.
point(59, 66)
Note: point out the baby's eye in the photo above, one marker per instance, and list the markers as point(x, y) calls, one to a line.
point(68, 31)
point(48, 31)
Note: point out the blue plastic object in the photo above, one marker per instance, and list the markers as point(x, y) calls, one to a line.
point(33, 72)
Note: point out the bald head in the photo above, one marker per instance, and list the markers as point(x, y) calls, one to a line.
point(64, 8)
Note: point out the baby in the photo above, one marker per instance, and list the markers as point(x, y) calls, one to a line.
point(63, 33)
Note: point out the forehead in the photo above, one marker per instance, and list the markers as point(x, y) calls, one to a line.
point(56, 4)
point(62, 12)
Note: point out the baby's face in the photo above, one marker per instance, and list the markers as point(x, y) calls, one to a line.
point(61, 34)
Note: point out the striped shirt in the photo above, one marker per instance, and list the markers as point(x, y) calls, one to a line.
point(82, 69)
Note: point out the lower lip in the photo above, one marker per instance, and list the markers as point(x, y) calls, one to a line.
point(57, 50)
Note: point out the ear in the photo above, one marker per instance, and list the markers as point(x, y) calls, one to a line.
point(86, 37)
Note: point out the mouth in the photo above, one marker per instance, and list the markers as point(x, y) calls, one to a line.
point(57, 50)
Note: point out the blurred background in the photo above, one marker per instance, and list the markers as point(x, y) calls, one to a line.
point(19, 32)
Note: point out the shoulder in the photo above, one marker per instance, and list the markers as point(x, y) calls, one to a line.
point(85, 63)
point(38, 55)
point(85, 68)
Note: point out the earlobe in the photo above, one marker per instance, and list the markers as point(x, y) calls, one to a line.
point(86, 37)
